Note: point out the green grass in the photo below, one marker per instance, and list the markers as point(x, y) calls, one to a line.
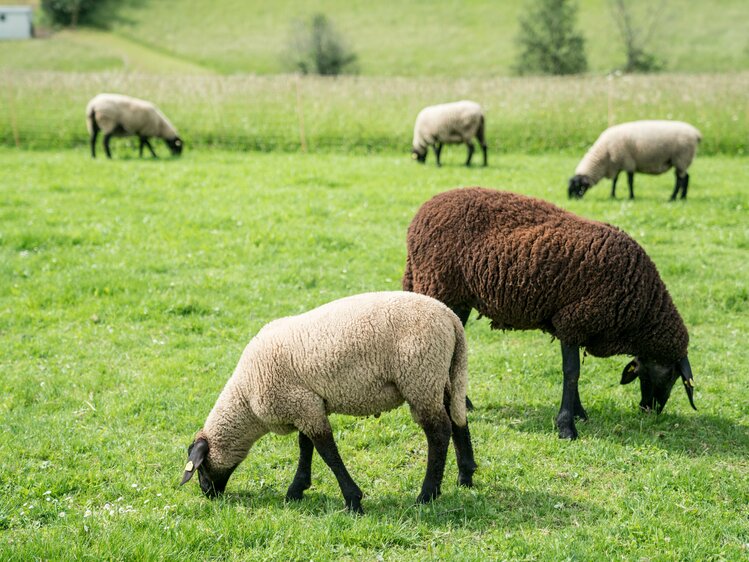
point(364, 114)
point(434, 38)
point(129, 289)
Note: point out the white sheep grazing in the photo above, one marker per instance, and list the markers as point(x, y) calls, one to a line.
point(360, 356)
point(649, 147)
point(448, 123)
point(122, 116)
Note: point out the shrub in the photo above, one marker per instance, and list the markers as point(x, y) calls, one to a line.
point(67, 12)
point(315, 47)
point(636, 32)
point(549, 42)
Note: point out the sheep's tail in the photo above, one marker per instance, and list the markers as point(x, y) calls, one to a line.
point(408, 276)
point(480, 133)
point(458, 375)
point(91, 124)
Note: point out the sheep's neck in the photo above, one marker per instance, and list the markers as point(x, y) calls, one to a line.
point(231, 428)
point(594, 164)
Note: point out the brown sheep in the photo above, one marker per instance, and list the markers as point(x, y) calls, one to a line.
point(527, 264)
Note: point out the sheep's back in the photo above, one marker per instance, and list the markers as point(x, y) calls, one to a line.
point(527, 264)
point(125, 115)
point(448, 122)
point(354, 352)
point(651, 146)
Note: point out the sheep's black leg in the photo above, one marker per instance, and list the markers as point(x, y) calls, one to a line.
point(327, 449)
point(463, 450)
point(571, 369)
point(470, 152)
point(303, 477)
point(148, 144)
point(482, 141)
point(677, 186)
point(684, 185)
point(613, 186)
point(631, 182)
point(437, 152)
point(438, 433)
point(107, 138)
point(93, 142)
point(140, 147)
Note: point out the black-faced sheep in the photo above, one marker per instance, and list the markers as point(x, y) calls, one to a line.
point(527, 264)
point(649, 147)
point(448, 123)
point(360, 356)
point(116, 115)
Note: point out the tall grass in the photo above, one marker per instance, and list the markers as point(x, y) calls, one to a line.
point(45, 109)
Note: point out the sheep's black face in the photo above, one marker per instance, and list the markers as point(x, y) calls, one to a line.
point(212, 481)
point(175, 145)
point(657, 380)
point(420, 157)
point(578, 186)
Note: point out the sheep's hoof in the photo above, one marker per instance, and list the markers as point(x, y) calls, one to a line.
point(428, 495)
point(568, 433)
point(353, 505)
point(465, 480)
point(294, 494)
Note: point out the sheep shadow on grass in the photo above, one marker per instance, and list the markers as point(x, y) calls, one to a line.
point(486, 506)
point(694, 434)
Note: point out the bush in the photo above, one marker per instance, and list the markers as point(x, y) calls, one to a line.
point(67, 12)
point(548, 40)
point(636, 31)
point(316, 48)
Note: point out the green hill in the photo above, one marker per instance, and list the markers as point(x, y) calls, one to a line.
point(421, 37)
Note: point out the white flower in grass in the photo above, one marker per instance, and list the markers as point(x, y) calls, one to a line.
point(62, 514)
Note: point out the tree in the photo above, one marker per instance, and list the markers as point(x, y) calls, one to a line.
point(636, 33)
point(548, 40)
point(316, 47)
point(67, 12)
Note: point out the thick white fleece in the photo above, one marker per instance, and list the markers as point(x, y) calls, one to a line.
point(649, 147)
point(454, 122)
point(126, 116)
point(359, 355)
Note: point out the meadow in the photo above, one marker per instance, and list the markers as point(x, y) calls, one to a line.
point(130, 287)
point(43, 109)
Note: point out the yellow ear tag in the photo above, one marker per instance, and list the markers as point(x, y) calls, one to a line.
point(631, 369)
point(189, 466)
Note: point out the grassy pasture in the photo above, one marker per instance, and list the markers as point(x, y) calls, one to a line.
point(473, 38)
point(130, 287)
point(366, 114)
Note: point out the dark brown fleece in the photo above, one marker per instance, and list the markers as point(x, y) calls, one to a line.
point(527, 264)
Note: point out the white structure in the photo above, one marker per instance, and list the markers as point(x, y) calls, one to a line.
point(15, 22)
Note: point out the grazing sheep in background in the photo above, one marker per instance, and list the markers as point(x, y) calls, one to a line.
point(448, 123)
point(649, 147)
point(527, 264)
point(122, 116)
point(360, 356)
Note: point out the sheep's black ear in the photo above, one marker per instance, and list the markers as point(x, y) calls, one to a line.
point(685, 370)
point(196, 455)
point(630, 372)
